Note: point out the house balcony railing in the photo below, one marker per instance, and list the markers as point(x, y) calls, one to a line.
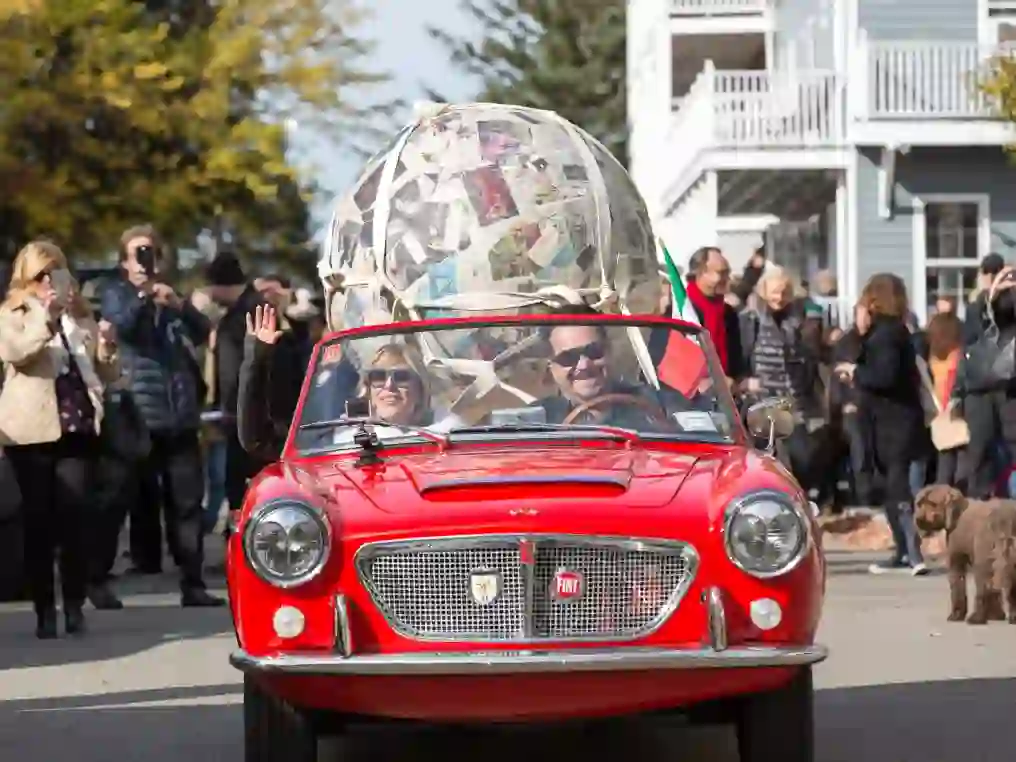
point(756, 110)
point(928, 80)
point(717, 7)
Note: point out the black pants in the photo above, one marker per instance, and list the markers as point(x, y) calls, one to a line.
point(240, 467)
point(982, 414)
point(117, 492)
point(173, 476)
point(951, 468)
point(55, 487)
point(798, 458)
point(860, 473)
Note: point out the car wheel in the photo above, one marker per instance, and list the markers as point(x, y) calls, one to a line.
point(275, 731)
point(779, 724)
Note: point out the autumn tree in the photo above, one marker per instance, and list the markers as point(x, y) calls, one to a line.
point(172, 111)
point(567, 57)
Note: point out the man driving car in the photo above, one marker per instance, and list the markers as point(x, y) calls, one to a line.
point(579, 365)
point(579, 359)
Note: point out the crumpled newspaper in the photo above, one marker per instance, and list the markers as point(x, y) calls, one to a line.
point(481, 209)
point(488, 199)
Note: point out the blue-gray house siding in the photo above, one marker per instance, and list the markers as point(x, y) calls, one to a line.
point(886, 245)
point(930, 20)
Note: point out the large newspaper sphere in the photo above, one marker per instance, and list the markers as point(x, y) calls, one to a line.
point(476, 208)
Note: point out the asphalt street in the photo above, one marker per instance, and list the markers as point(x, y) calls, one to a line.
point(152, 684)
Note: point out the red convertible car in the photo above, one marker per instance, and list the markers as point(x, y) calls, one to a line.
point(522, 519)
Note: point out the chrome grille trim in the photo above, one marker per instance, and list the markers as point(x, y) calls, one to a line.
point(521, 615)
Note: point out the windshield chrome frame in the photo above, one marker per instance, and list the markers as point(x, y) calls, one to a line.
point(737, 435)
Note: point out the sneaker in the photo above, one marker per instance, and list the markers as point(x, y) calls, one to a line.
point(919, 570)
point(888, 567)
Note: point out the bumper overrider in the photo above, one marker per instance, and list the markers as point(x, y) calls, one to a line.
point(714, 655)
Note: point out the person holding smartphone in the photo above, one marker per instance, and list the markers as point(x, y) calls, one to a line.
point(160, 334)
point(57, 359)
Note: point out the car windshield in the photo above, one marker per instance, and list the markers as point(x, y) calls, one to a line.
point(537, 376)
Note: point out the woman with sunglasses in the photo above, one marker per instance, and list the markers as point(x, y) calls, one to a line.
point(396, 390)
point(56, 360)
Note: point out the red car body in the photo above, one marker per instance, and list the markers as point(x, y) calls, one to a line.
point(349, 659)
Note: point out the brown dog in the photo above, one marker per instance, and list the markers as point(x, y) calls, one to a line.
point(981, 534)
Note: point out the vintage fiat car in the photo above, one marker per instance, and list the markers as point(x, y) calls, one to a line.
point(521, 519)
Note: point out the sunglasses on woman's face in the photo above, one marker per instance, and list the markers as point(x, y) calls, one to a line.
point(40, 277)
point(379, 377)
point(569, 358)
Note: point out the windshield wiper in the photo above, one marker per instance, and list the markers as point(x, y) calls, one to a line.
point(362, 422)
point(608, 432)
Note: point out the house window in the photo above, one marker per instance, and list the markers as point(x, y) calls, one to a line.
point(998, 23)
point(953, 235)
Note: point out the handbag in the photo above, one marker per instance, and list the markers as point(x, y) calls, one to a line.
point(947, 431)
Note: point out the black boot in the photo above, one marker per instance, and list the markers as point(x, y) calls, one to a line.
point(45, 624)
point(103, 598)
point(74, 619)
point(196, 597)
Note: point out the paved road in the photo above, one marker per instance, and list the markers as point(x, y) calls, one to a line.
point(151, 684)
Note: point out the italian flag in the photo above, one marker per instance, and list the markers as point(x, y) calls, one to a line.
point(681, 306)
point(683, 366)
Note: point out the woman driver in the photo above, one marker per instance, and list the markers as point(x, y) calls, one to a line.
point(396, 390)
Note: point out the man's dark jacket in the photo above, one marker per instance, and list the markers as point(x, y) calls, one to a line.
point(736, 368)
point(158, 355)
point(976, 319)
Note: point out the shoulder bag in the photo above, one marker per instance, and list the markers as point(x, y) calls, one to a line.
point(990, 363)
point(947, 431)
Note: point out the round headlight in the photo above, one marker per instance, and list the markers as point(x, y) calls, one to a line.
point(766, 534)
point(287, 543)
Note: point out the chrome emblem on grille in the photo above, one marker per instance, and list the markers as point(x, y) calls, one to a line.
point(485, 586)
point(567, 585)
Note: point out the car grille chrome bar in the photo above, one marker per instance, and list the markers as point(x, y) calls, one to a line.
point(526, 588)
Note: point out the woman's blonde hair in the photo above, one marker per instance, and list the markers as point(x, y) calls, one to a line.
point(34, 259)
point(403, 356)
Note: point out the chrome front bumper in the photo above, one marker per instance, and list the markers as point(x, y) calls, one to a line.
point(618, 659)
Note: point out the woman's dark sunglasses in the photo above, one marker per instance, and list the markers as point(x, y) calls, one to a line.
point(569, 358)
point(40, 277)
point(380, 377)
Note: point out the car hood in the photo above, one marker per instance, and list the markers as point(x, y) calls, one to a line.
point(431, 482)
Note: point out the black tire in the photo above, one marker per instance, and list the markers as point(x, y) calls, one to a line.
point(274, 731)
point(778, 725)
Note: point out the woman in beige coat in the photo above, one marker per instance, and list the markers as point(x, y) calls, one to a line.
point(55, 362)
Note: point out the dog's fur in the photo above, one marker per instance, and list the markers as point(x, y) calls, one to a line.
point(979, 534)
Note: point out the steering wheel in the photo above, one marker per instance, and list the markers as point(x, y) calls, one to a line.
point(652, 411)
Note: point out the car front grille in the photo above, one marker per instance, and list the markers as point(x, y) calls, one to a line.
point(498, 588)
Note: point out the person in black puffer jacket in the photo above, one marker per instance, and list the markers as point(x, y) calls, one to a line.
point(159, 333)
point(890, 415)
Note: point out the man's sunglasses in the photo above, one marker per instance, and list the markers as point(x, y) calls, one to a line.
point(569, 358)
point(379, 377)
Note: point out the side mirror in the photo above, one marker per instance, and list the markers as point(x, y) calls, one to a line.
point(772, 418)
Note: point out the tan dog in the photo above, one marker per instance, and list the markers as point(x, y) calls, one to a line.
point(981, 534)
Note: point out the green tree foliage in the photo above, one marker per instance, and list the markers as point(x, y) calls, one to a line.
point(567, 56)
point(170, 111)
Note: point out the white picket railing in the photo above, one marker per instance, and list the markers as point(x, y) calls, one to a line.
point(716, 7)
point(758, 109)
point(923, 80)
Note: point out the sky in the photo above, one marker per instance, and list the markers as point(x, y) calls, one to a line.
point(412, 58)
